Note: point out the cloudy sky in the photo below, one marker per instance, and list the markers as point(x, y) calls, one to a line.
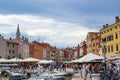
point(61, 23)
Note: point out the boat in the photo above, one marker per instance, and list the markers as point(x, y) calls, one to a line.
point(6, 73)
point(55, 75)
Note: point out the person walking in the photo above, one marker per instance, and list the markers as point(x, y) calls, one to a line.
point(80, 69)
point(84, 72)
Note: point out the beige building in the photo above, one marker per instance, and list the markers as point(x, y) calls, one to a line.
point(89, 43)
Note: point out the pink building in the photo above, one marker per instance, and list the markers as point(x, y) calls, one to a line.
point(8, 48)
point(23, 48)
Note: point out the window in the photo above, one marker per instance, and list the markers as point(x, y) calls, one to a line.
point(9, 51)
point(116, 35)
point(8, 44)
point(116, 47)
point(110, 38)
point(108, 48)
point(115, 27)
point(104, 40)
point(13, 45)
point(111, 48)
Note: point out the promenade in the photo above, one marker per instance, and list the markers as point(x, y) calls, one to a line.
point(76, 76)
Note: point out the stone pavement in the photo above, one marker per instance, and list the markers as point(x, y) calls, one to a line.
point(77, 76)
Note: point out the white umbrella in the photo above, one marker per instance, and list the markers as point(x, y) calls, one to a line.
point(51, 61)
point(3, 60)
point(43, 62)
point(73, 61)
point(31, 59)
point(15, 60)
point(89, 57)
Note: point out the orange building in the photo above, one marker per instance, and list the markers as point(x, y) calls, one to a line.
point(36, 50)
point(39, 50)
point(96, 43)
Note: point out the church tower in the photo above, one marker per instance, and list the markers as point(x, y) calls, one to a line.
point(18, 33)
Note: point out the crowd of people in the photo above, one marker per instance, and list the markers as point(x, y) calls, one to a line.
point(106, 71)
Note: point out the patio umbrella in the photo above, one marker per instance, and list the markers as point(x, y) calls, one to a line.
point(3, 60)
point(43, 62)
point(30, 59)
point(15, 60)
point(89, 57)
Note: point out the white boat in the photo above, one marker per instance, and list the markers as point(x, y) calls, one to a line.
point(56, 75)
point(6, 73)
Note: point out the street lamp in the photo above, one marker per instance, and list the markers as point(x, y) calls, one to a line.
point(104, 51)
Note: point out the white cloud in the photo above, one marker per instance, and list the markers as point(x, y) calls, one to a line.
point(55, 32)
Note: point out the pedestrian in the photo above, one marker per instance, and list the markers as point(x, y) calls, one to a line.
point(74, 68)
point(85, 72)
point(80, 69)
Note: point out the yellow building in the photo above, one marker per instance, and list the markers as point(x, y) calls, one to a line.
point(90, 36)
point(110, 35)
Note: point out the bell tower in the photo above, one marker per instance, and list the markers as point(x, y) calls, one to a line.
point(18, 32)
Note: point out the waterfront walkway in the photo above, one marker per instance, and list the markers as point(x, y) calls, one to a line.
point(76, 76)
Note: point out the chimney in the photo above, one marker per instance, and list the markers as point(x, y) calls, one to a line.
point(117, 19)
point(10, 38)
point(25, 39)
point(106, 25)
point(22, 37)
point(103, 26)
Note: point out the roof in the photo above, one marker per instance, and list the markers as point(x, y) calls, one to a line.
point(11, 41)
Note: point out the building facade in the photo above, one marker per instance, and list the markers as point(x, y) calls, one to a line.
point(11, 49)
point(96, 42)
point(36, 50)
point(23, 48)
point(39, 50)
point(8, 48)
point(110, 35)
point(53, 52)
point(89, 43)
